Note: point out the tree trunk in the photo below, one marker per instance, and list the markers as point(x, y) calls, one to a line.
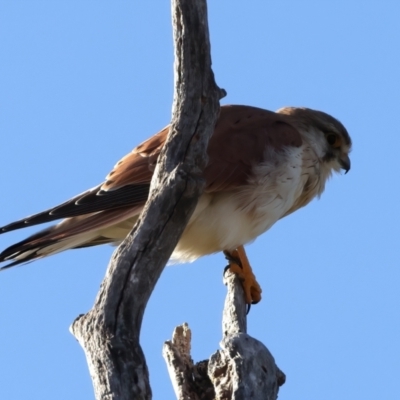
point(109, 332)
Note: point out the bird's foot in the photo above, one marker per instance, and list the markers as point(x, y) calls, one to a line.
point(239, 264)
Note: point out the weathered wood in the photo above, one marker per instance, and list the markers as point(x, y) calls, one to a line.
point(234, 317)
point(179, 362)
point(190, 381)
point(109, 332)
point(243, 369)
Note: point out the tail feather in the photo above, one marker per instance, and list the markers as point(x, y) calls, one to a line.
point(26, 260)
point(76, 232)
point(14, 250)
point(26, 255)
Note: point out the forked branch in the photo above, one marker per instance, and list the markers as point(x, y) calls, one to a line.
point(109, 332)
point(243, 369)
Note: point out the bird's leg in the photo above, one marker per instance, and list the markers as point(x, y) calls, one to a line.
point(239, 264)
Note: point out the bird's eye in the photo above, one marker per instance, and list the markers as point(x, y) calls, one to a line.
point(333, 140)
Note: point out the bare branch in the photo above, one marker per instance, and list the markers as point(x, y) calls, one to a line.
point(235, 309)
point(109, 332)
point(190, 381)
point(244, 368)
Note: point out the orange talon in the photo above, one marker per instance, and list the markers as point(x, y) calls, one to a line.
point(252, 290)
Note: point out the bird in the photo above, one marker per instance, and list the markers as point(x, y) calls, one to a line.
point(262, 166)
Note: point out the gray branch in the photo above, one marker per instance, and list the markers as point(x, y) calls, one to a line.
point(109, 332)
point(243, 369)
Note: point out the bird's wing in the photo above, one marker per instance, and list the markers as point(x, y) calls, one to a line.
point(127, 185)
point(138, 166)
point(243, 138)
point(240, 141)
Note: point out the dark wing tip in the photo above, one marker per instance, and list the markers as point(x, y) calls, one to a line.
point(22, 223)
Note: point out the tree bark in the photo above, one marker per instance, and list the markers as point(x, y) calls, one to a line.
point(243, 369)
point(109, 332)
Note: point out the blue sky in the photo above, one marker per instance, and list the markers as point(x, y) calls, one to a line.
point(81, 83)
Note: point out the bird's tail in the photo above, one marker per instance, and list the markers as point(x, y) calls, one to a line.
point(71, 233)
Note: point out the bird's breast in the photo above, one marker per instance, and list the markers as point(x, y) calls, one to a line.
point(227, 219)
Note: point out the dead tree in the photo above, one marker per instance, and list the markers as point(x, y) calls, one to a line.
point(109, 332)
point(243, 369)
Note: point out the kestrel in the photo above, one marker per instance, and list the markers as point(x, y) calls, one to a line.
point(262, 166)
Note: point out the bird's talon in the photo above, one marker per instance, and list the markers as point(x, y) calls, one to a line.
point(239, 264)
point(232, 259)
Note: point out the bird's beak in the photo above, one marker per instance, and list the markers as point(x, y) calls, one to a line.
point(345, 163)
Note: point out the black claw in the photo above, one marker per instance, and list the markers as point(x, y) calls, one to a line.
point(248, 309)
point(232, 259)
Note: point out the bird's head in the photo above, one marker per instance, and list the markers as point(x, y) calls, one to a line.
point(328, 137)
